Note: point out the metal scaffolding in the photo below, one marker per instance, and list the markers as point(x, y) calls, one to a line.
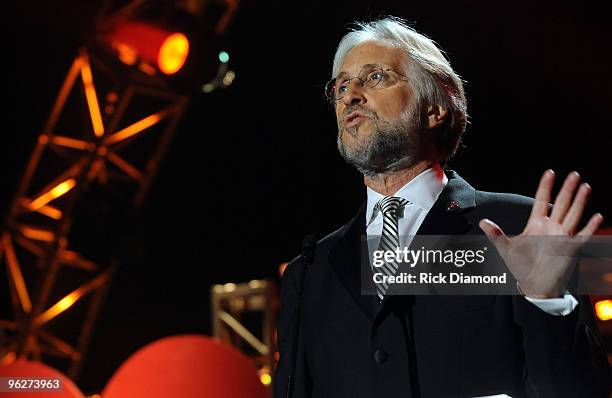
point(68, 161)
point(244, 316)
point(100, 148)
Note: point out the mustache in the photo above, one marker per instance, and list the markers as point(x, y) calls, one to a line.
point(366, 112)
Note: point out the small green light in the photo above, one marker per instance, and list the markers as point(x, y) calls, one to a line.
point(223, 57)
point(208, 88)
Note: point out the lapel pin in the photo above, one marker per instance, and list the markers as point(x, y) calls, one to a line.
point(452, 206)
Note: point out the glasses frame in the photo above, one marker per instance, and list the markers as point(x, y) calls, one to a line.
point(331, 83)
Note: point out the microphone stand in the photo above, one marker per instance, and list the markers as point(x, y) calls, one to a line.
point(308, 249)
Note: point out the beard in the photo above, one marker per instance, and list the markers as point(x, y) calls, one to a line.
point(393, 144)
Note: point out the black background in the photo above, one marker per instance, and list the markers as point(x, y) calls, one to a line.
point(254, 168)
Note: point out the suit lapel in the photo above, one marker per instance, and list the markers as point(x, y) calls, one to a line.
point(349, 259)
point(446, 215)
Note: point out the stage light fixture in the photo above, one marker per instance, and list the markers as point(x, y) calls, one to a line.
point(149, 46)
point(173, 53)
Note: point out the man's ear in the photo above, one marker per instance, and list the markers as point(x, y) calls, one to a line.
point(436, 115)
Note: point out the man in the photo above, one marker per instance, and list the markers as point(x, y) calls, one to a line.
point(401, 111)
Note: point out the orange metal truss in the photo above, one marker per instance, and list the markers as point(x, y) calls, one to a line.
point(34, 242)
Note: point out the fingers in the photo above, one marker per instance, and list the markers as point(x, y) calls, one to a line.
point(563, 200)
point(568, 209)
point(575, 212)
point(592, 225)
point(495, 234)
point(542, 197)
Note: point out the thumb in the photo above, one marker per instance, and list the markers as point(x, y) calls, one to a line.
point(495, 234)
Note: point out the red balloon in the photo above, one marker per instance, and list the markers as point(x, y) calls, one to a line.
point(187, 366)
point(35, 370)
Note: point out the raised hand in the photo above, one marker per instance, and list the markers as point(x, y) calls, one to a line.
point(540, 273)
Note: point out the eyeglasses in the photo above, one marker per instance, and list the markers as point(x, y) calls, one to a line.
point(368, 78)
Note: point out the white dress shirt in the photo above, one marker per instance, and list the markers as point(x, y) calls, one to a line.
point(422, 192)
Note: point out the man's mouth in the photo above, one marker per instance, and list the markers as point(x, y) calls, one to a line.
point(353, 118)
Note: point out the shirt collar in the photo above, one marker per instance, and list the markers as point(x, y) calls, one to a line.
point(422, 191)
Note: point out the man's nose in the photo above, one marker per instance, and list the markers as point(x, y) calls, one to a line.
point(354, 94)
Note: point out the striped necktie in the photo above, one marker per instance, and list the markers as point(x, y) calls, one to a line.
point(389, 238)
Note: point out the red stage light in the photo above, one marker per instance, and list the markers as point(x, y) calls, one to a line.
point(150, 44)
point(173, 53)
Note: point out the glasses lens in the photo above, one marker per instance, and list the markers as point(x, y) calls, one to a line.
point(374, 77)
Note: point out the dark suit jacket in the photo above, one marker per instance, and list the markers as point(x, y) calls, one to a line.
point(431, 346)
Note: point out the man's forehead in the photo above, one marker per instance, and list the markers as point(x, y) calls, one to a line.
point(371, 54)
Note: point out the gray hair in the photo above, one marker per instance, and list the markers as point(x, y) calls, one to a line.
point(429, 72)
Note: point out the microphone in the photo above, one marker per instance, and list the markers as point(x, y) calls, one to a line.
point(309, 245)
